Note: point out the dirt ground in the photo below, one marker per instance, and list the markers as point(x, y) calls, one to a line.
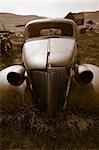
point(74, 129)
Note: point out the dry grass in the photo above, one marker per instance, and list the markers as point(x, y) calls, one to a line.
point(28, 129)
point(88, 48)
point(74, 129)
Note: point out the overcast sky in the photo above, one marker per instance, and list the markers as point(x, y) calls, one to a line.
point(48, 8)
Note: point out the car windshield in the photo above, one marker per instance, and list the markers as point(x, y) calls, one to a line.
point(49, 29)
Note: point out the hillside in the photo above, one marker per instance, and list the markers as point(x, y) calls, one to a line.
point(10, 21)
point(92, 16)
point(88, 16)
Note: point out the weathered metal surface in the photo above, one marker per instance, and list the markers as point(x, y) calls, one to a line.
point(49, 88)
point(60, 50)
point(49, 41)
point(86, 95)
point(10, 95)
point(35, 54)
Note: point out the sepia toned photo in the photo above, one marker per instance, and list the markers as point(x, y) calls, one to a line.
point(49, 75)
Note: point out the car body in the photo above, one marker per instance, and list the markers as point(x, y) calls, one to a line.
point(50, 69)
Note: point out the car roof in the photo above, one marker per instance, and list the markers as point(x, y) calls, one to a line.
point(50, 20)
point(56, 20)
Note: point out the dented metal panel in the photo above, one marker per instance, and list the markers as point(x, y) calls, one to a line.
point(61, 51)
point(35, 52)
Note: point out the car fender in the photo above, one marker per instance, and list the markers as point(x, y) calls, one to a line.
point(11, 97)
point(85, 95)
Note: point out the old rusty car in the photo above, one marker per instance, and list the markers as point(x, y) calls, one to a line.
point(50, 71)
point(5, 43)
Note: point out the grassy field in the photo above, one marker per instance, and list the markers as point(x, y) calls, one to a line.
point(28, 130)
point(88, 48)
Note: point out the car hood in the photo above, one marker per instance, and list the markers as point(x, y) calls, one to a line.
point(37, 54)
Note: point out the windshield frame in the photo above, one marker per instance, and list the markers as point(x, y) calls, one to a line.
point(33, 28)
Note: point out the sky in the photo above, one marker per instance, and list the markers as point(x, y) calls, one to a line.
point(48, 8)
